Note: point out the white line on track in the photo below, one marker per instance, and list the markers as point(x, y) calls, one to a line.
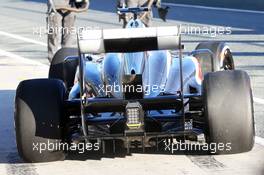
point(22, 38)
point(259, 140)
point(213, 8)
point(259, 100)
point(25, 60)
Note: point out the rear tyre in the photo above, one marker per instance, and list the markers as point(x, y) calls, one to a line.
point(62, 69)
point(228, 111)
point(222, 56)
point(39, 119)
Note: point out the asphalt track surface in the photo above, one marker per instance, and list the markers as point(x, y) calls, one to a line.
point(247, 4)
point(23, 55)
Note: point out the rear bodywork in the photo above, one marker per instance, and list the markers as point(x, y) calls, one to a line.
point(136, 92)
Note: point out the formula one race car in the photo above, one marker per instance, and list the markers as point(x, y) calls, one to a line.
point(134, 87)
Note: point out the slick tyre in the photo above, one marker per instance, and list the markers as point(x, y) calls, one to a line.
point(228, 108)
point(39, 119)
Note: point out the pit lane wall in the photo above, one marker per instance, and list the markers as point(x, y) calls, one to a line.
point(235, 4)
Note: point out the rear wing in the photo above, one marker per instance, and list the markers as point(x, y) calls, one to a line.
point(129, 40)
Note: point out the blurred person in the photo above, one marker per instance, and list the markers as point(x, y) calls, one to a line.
point(61, 16)
point(146, 17)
